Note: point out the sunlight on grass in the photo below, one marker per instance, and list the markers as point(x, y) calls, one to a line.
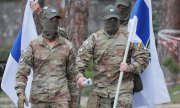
point(174, 92)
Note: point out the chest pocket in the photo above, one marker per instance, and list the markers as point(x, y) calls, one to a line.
point(116, 53)
point(119, 50)
point(58, 63)
point(58, 67)
point(39, 60)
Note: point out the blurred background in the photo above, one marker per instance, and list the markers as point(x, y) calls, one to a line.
point(166, 24)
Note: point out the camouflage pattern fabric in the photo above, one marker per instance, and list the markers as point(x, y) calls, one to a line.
point(62, 32)
point(107, 53)
point(125, 97)
point(61, 104)
point(54, 73)
point(124, 100)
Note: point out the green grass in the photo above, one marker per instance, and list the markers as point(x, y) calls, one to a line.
point(86, 91)
point(171, 65)
point(1, 93)
point(89, 74)
point(82, 107)
point(90, 70)
point(174, 92)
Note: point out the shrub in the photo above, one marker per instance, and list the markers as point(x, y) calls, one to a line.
point(4, 53)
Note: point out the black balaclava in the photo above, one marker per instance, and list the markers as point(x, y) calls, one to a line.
point(49, 20)
point(111, 25)
point(50, 28)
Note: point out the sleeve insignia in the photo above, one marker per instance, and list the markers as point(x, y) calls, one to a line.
point(25, 50)
point(81, 49)
point(86, 42)
point(21, 59)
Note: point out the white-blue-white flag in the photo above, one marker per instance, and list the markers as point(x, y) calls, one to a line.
point(141, 30)
point(27, 33)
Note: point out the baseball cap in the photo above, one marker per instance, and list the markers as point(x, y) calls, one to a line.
point(110, 11)
point(49, 12)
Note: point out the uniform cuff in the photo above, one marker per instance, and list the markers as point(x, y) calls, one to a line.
point(79, 75)
point(40, 13)
point(132, 68)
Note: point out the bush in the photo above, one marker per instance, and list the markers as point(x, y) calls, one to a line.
point(174, 92)
point(171, 65)
point(4, 53)
point(89, 74)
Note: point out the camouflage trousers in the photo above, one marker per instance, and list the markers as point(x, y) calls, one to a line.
point(98, 100)
point(45, 101)
point(125, 102)
point(50, 105)
point(95, 101)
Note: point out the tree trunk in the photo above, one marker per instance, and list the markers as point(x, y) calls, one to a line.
point(170, 15)
point(76, 20)
point(169, 47)
point(170, 19)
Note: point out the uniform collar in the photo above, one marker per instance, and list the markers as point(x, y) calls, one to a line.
point(112, 36)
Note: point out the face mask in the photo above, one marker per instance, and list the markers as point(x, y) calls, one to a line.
point(111, 25)
point(50, 27)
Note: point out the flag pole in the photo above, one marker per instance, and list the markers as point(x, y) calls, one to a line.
point(124, 61)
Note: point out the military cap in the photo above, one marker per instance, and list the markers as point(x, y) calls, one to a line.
point(123, 2)
point(110, 11)
point(49, 12)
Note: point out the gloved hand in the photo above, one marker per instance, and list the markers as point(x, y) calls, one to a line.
point(21, 100)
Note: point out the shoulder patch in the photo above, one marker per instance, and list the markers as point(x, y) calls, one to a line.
point(21, 59)
point(100, 32)
point(67, 42)
point(82, 48)
point(86, 42)
point(24, 51)
point(95, 34)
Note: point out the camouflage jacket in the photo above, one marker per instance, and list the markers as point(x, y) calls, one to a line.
point(54, 73)
point(62, 32)
point(107, 53)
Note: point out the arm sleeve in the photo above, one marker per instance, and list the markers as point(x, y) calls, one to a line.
point(25, 64)
point(84, 55)
point(71, 77)
point(140, 58)
point(62, 32)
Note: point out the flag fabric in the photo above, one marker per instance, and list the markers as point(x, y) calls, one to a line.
point(26, 34)
point(141, 30)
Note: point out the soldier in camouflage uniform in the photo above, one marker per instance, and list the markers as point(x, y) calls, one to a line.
point(106, 47)
point(52, 59)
